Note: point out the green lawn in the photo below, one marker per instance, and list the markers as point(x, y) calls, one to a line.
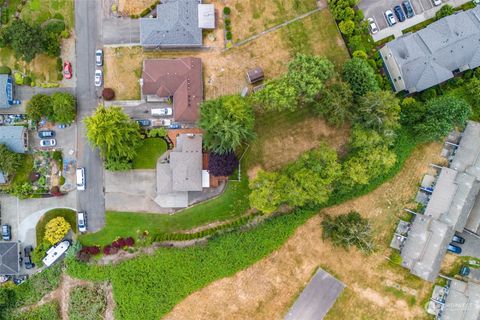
point(40, 11)
point(233, 202)
point(148, 153)
point(68, 214)
point(21, 176)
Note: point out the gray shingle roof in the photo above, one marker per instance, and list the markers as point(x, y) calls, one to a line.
point(462, 302)
point(176, 25)
point(8, 258)
point(182, 174)
point(417, 61)
point(14, 137)
point(425, 247)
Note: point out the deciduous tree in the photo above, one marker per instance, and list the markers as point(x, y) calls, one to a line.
point(379, 110)
point(227, 121)
point(335, 103)
point(265, 195)
point(56, 229)
point(115, 135)
point(40, 105)
point(222, 164)
point(360, 75)
point(277, 95)
point(64, 107)
point(25, 40)
point(9, 160)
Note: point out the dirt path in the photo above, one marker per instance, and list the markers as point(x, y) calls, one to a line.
point(266, 289)
point(110, 303)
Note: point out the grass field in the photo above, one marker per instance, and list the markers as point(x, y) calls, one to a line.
point(250, 17)
point(39, 11)
point(68, 214)
point(232, 203)
point(148, 153)
point(224, 71)
point(21, 176)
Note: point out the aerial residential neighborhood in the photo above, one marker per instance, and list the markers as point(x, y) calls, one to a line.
point(255, 159)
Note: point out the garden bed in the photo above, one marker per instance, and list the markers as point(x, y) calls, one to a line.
point(69, 215)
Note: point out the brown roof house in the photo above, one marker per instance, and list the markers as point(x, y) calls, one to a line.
point(181, 173)
point(178, 81)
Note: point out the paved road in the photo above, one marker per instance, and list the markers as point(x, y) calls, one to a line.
point(471, 247)
point(317, 298)
point(87, 26)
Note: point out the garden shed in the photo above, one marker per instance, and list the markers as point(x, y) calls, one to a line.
point(255, 75)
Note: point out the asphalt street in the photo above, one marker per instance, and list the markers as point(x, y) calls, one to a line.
point(87, 26)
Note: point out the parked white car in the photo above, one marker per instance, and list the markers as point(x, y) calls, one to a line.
point(437, 2)
point(372, 25)
point(162, 112)
point(390, 17)
point(98, 78)
point(48, 143)
point(82, 221)
point(99, 58)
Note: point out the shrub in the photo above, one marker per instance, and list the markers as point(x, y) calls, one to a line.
point(55, 191)
point(222, 164)
point(157, 133)
point(346, 27)
point(59, 65)
point(27, 80)
point(5, 70)
point(362, 55)
point(227, 21)
point(226, 11)
point(39, 252)
point(56, 229)
point(229, 35)
point(108, 94)
point(18, 78)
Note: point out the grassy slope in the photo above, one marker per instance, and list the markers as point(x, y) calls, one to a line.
point(148, 153)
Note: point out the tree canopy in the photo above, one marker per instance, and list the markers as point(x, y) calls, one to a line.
point(266, 195)
point(227, 121)
point(222, 164)
point(442, 115)
point(56, 229)
point(335, 103)
point(39, 106)
point(379, 110)
point(9, 160)
point(360, 75)
point(115, 135)
point(64, 107)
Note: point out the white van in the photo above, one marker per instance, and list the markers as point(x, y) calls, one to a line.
point(55, 252)
point(162, 112)
point(81, 179)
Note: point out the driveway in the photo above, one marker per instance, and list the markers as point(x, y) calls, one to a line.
point(121, 31)
point(87, 22)
point(132, 191)
point(424, 10)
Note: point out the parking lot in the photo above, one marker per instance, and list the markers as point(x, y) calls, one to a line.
point(423, 9)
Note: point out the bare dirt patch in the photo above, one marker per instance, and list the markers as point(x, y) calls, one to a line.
point(266, 289)
point(133, 7)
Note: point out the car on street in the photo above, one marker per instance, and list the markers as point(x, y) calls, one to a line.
point(81, 184)
point(48, 143)
point(46, 134)
point(67, 70)
point(458, 239)
point(437, 2)
point(372, 25)
point(99, 57)
point(144, 122)
point(390, 17)
point(6, 232)
point(407, 7)
point(98, 78)
point(28, 257)
point(162, 112)
point(454, 249)
point(82, 221)
point(399, 13)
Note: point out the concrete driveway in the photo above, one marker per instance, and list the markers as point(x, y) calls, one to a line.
point(121, 31)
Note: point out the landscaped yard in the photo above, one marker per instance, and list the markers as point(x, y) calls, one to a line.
point(233, 203)
point(39, 11)
point(148, 153)
point(21, 176)
point(224, 71)
point(69, 215)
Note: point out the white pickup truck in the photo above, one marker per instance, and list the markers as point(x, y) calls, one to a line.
point(56, 252)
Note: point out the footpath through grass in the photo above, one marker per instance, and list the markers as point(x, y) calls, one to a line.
point(148, 153)
point(233, 202)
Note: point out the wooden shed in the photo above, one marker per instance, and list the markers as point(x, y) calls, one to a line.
point(255, 75)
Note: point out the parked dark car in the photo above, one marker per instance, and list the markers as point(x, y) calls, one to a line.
point(144, 123)
point(6, 232)
point(454, 249)
point(458, 239)
point(46, 134)
point(399, 13)
point(407, 7)
point(28, 257)
point(464, 271)
point(20, 279)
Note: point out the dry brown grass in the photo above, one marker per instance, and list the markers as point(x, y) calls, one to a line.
point(224, 71)
point(250, 17)
point(132, 7)
point(266, 289)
